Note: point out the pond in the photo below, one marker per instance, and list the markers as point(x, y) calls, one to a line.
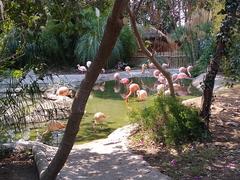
point(107, 97)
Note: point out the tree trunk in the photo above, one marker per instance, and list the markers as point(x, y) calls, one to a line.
point(151, 57)
point(209, 83)
point(222, 40)
point(111, 33)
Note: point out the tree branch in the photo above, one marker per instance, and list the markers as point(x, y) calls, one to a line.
point(151, 57)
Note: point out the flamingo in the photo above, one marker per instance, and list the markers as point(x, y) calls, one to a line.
point(142, 95)
point(176, 86)
point(132, 89)
point(124, 81)
point(162, 79)
point(99, 86)
point(98, 118)
point(117, 76)
point(160, 88)
point(182, 76)
point(174, 76)
point(186, 70)
point(156, 73)
point(182, 70)
point(63, 91)
point(151, 65)
point(144, 66)
point(189, 68)
point(82, 69)
point(128, 69)
point(165, 66)
point(103, 70)
point(54, 125)
point(88, 64)
point(167, 92)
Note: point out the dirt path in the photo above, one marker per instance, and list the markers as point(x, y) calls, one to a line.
point(218, 159)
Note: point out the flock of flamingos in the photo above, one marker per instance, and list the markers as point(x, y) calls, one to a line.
point(132, 88)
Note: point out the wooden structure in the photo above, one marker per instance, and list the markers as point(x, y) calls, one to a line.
point(175, 59)
point(167, 50)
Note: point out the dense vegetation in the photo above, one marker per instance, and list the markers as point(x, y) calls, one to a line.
point(56, 34)
point(167, 120)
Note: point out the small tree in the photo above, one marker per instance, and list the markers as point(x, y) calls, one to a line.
point(223, 37)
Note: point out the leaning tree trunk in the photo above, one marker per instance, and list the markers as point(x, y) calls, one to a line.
point(111, 33)
point(213, 67)
point(151, 57)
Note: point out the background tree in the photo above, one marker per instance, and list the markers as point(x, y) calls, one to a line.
point(111, 33)
point(223, 38)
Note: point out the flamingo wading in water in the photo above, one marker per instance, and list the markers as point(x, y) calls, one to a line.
point(132, 89)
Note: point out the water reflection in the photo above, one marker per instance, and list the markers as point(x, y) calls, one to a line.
point(150, 85)
point(99, 87)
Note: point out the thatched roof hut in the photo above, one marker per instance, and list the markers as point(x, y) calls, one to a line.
point(160, 42)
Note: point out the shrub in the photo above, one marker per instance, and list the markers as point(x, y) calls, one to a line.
point(170, 121)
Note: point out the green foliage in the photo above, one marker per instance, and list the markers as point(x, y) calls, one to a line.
point(17, 74)
point(87, 45)
point(197, 44)
point(231, 63)
point(170, 121)
point(128, 41)
point(167, 20)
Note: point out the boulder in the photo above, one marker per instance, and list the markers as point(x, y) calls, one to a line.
point(194, 102)
point(220, 82)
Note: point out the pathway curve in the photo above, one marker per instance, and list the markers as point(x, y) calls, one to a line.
point(105, 159)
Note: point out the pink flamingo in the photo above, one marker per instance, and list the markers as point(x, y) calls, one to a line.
point(103, 70)
point(182, 76)
point(142, 95)
point(117, 76)
point(156, 73)
point(98, 118)
point(182, 70)
point(54, 125)
point(174, 76)
point(151, 65)
point(128, 69)
point(82, 69)
point(189, 68)
point(124, 81)
point(144, 66)
point(63, 91)
point(162, 79)
point(132, 89)
point(165, 66)
point(88, 64)
point(160, 88)
point(186, 70)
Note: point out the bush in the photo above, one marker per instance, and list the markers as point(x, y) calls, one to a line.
point(170, 121)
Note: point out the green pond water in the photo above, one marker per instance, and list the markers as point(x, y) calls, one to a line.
point(104, 98)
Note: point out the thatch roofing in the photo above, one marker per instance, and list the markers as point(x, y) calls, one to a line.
point(151, 32)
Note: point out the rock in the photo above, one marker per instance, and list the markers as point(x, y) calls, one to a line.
point(194, 102)
point(220, 82)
